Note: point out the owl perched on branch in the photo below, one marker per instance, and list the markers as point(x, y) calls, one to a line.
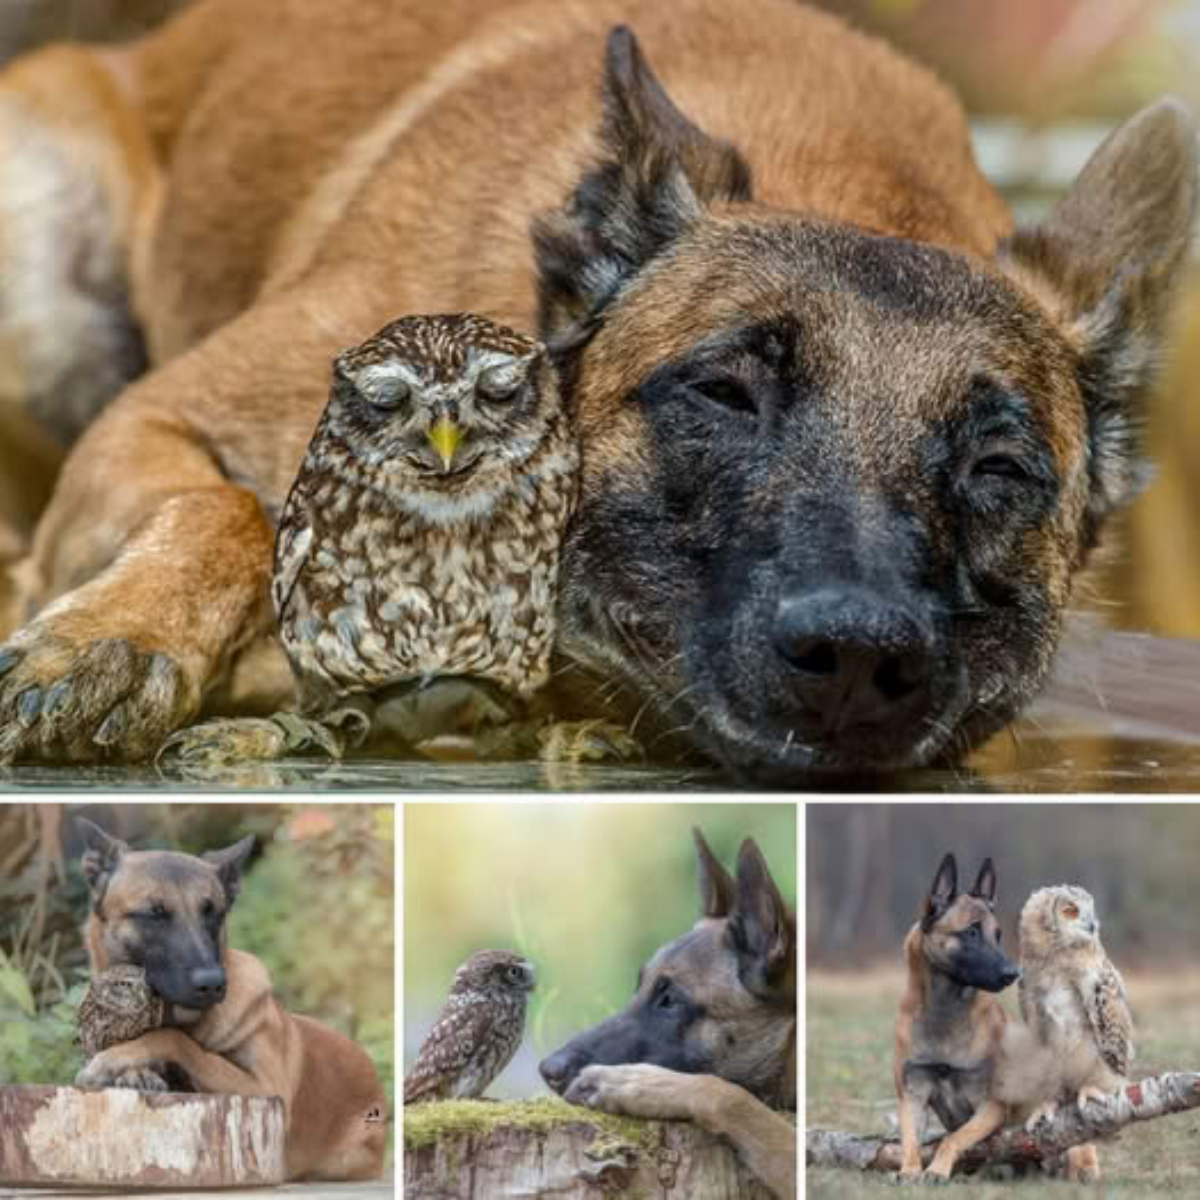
point(477, 1030)
point(1075, 1041)
point(422, 533)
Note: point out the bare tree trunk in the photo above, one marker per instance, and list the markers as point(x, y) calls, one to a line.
point(119, 1138)
point(478, 1150)
point(1157, 1096)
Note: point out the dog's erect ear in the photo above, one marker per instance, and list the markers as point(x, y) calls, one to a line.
point(228, 863)
point(100, 858)
point(716, 886)
point(657, 171)
point(1104, 263)
point(985, 883)
point(943, 891)
point(761, 929)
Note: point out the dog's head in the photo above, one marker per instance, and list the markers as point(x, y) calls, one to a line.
point(163, 912)
point(960, 934)
point(719, 1000)
point(836, 485)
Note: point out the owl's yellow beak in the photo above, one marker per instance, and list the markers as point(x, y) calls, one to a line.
point(444, 438)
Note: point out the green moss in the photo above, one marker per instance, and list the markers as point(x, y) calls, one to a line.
point(425, 1124)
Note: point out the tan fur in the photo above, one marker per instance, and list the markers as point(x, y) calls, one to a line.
point(248, 1043)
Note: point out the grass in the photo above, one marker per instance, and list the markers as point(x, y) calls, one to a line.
point(849, 1086)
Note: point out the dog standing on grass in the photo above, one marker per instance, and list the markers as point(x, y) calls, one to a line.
point(223, 1030)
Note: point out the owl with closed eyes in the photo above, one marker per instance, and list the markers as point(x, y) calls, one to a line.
point(421, 535)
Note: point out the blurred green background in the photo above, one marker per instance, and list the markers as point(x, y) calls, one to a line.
point(316, 905)
point(586, 891)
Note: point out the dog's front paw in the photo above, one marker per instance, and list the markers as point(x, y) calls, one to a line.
point(633, 1090)
point(104, 1072)
point(69, 699)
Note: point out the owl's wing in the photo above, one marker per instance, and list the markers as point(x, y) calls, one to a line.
point(1107, 1007)
point(455, 1037)
point(291, 548)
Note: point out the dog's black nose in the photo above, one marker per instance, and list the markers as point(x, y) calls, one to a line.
point(856, 660)
point(1010, 975)
point(556, 1071)
point(208, 983)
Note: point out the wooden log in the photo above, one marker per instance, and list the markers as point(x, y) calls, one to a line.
point(123, 1138)
point(478, 1150)
point(1147, 1100)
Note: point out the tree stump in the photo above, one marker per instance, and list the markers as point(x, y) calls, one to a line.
point(478, 1150)
point(122, 1138)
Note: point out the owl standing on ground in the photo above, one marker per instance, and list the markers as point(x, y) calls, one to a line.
point(422, 533)
point(1075, 1042)
point(477, 1030)
point(117, 1006)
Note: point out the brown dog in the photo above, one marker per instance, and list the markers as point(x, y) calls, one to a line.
point(847, 438)
point(710, 1033)
point(950, 1026)
point(223, 1030)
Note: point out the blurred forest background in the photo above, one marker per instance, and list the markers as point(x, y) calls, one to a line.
point(1044, 80)
point(869, 867)
point(316, 906)
point(586, 891)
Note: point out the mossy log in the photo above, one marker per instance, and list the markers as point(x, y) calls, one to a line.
point(119, 1138)
point(482, 1150)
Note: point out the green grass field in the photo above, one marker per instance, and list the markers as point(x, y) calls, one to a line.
point(849, 1086)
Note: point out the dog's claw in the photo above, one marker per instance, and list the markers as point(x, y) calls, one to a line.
point(9, 658)
point(29, 707)
point(112, 727)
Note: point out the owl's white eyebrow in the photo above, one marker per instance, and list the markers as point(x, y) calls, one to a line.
point(379, 375)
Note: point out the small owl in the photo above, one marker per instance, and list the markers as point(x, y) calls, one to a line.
point(117, 1006)
point(422, 533)
point(477, 1030)
point(1073, 1004)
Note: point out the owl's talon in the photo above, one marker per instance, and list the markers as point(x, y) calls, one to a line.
point(588, 741)
point(214, 745)
point(1088, 1093)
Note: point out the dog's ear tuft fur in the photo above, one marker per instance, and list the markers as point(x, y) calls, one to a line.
point(100, 858)
point(943, 891)
point(1104, 264)
point(716, 886)
point(985, 883)
point(656, 173)
point(762, 929)
point(228, 863)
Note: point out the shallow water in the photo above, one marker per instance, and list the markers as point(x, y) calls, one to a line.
point(1028, 761)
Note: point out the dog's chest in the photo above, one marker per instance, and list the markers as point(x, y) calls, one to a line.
point(383, 598)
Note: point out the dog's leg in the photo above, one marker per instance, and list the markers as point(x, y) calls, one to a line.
point(989, 1117)
point(1083, 1164)
point(154, 1053)
point(159, 560)
point(912, 1122)
point(764, 1140)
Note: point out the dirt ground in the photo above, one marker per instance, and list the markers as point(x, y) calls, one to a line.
point(849, 1086)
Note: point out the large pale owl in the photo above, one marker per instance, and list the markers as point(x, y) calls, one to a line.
point(1076, 1041)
